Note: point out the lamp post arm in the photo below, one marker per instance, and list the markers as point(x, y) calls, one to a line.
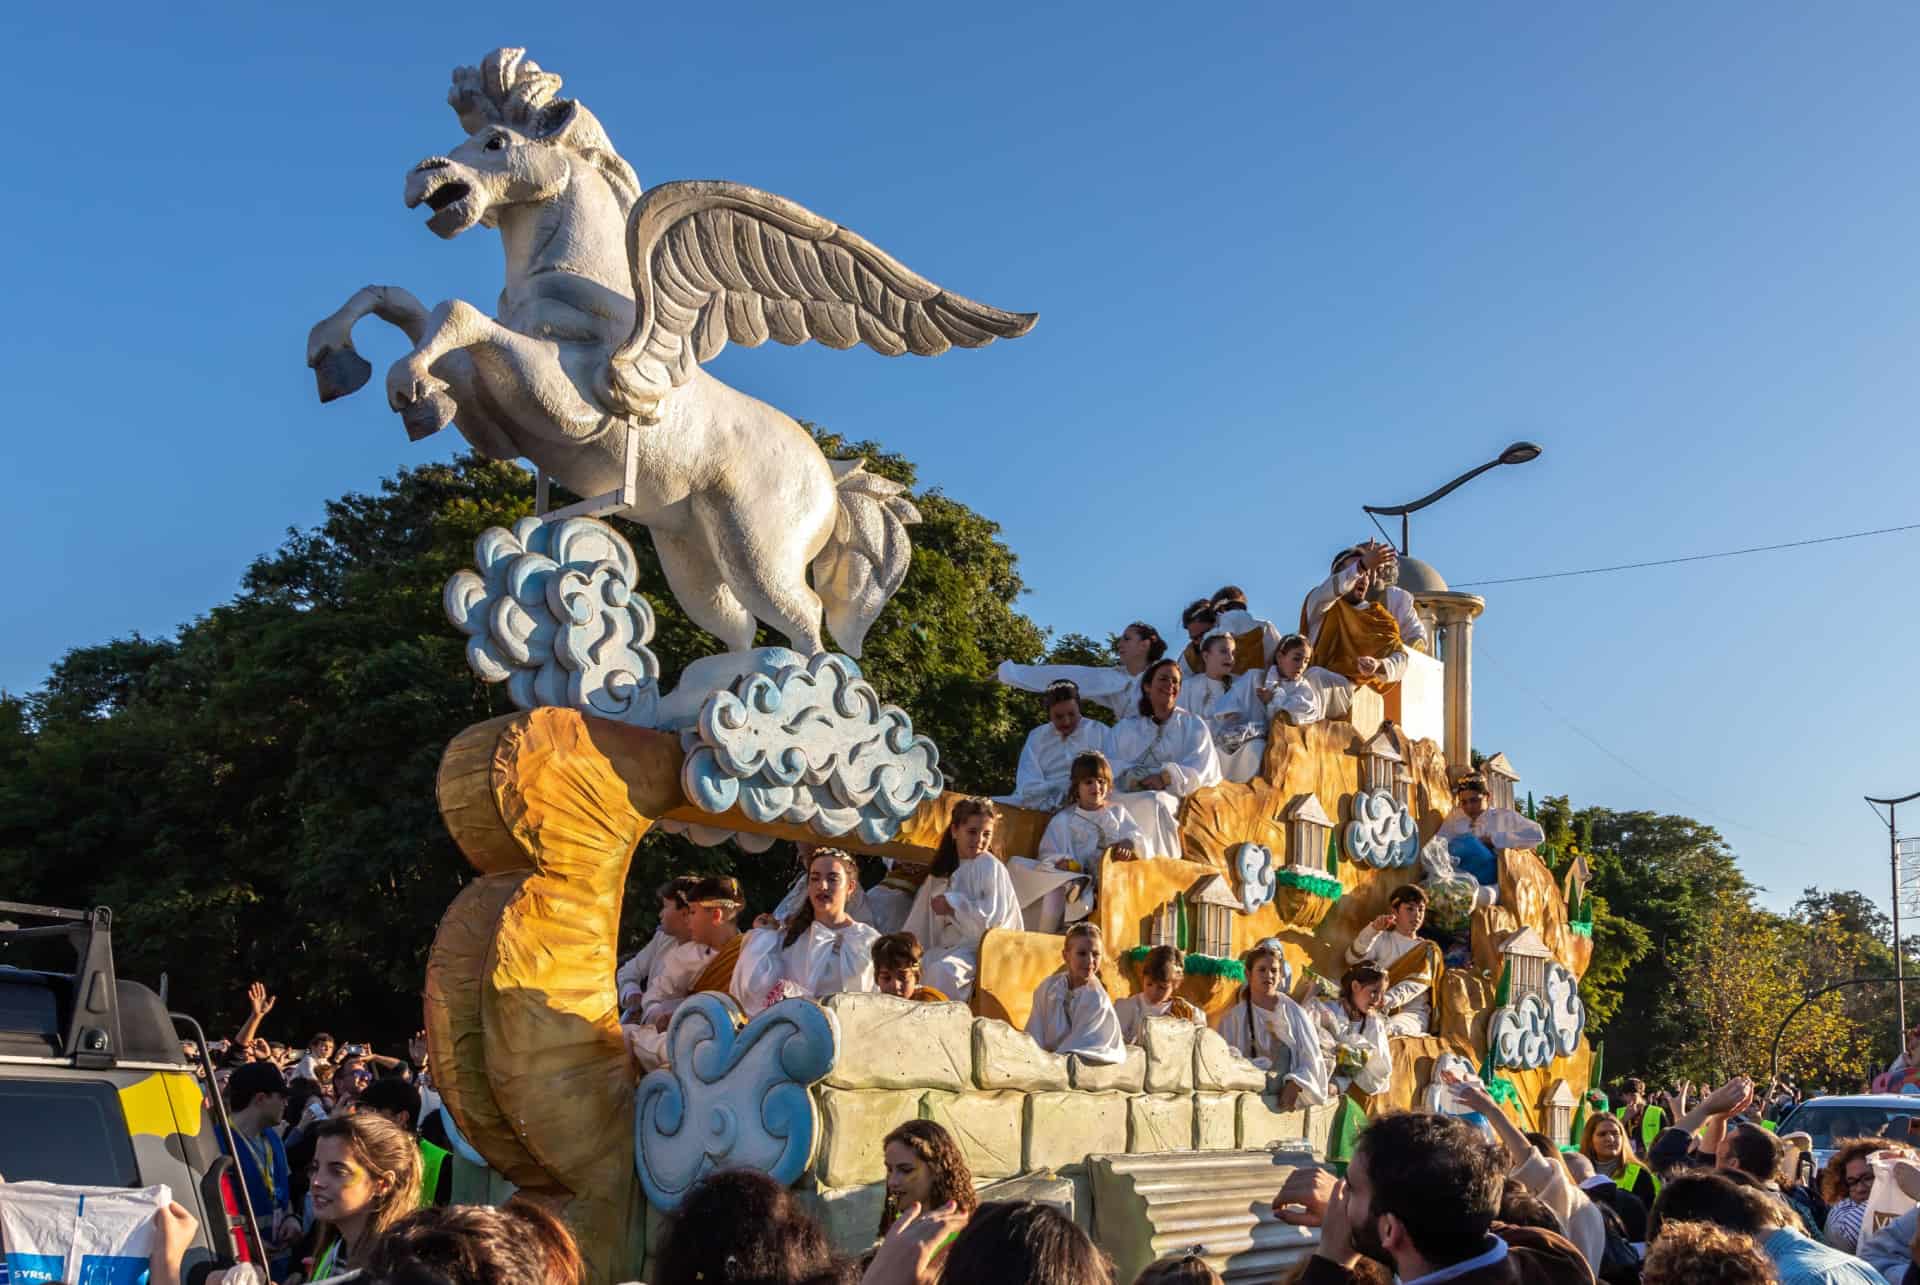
point(1401, 510)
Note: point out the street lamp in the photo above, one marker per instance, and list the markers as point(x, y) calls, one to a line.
point(1518, 453)
point(1893, 855)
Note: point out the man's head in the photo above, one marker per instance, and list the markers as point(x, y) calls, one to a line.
point(1198, 618)
point(713, 905)
point(1751, 1150)
point(258, 1091)
point(896, 964)
point(1729, 1201)
point(1408, 905)
point(1063, 707)
point(673, 905)
point(1471, 795)
point(1421, 1192)
point(1363, 578)
point(392, 1099)
point(1636, 1090)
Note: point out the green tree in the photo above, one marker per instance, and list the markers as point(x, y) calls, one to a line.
point(254, 796)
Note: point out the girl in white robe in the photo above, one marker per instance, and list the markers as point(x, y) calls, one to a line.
point(1089, 829)
point(1161, 973)
point(822, 950)
point(1071, 1011)
point(1231, 707)
point(1267, 1023)
point(1353, 1031)
point(968, 894)
point(1160, 755)
point(1286, 687)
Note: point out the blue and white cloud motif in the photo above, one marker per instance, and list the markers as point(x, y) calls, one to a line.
point(1382, 833)
point(1533, 1031)
point(810, 744)
point(1254, 864)
point(553, 614)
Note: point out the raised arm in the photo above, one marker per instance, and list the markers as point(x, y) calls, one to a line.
point(259, 1004)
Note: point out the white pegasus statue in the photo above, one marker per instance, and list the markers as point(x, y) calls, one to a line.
point(613, 297)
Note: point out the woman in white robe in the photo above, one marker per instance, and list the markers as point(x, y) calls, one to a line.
point(1353, 1031)
point(1161, 754)
point(1115, 686)
point(1161, 973)
point(1071, 1010)
point(1271, 1030)
point(1231, 707)
point(1288, 690)
point(968, 894)
point(822, 950)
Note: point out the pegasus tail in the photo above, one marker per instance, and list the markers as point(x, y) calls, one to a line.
point(865, 559)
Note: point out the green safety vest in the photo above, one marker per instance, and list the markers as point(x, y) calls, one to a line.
point(1650, 1121)
point(1630, 1178)
point(431, 1160)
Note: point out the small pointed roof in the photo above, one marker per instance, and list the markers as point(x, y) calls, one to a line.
point(1578, 869)
point(1559, 1094)
point(1498, 765)
point(1383, 743)
point(1526, 942)
point(1213, 891)
point(1306, 807)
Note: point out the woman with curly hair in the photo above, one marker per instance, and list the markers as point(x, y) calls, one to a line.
point(1703, 1254)
point(924, 1168)
point(1845, 1184)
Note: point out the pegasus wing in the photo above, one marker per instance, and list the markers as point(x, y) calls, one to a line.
point(715, 262)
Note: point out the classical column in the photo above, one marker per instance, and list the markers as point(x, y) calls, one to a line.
point(1455, 613)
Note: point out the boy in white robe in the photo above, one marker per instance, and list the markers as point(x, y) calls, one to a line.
point(1353, 1035)
point(1117, 687)
point(1231, 707)
point(1161, 973)
point(1475, 833)
point(634, 977)
point(821, 951)
point(1408, 1004)
point(1271, 1030)
point(968, 895)
point(712, 904)
point(1071, 1012)
point(1046, 760)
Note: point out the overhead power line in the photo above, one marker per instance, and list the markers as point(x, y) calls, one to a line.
point(1696, 557)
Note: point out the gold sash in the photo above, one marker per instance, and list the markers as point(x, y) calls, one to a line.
point(1348, 632)
point(1250, 651)
point(1191, 656)
point(928, 995)
point(1424, 963)
point(718, 974)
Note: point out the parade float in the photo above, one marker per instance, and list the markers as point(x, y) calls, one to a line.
point(592, 371)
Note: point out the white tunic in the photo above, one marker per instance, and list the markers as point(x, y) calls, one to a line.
point(1046, 762)
point(1303, 700)
point(1076, 1021)
point(1365, 1041)
point(631, 979)
point(674, 973)
point(1407, 1003)
point(822, 961)
point(1181, 748)
point(982, 897)
point(1235, 717)
point(1083, 837)
point(1107, 685)
point(1134, 1010)
point(1496, 827)
point(1285, 1024)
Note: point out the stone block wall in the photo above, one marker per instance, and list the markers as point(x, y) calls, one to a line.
point(1020, 1113)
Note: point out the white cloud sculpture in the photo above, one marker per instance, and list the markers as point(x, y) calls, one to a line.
point(1382, 833)
point(810, 744)
point(1253, 862)
point(553, 613)
point(1536, 1029)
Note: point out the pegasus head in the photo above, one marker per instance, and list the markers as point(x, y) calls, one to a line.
point(523, 142)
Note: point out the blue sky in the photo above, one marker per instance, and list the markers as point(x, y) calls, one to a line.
point(1289, 259)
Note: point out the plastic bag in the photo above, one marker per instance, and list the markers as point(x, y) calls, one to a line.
point(1886, 1203)
point(82, 1235)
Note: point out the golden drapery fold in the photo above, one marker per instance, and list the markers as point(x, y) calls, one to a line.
point(718, 974)
point(1348, 632)
point(1424, 963)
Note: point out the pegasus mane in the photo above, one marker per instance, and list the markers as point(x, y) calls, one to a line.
point(508, 88)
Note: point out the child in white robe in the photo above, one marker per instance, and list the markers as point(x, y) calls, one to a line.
point(1406, 1007)
point(1230, 615)
point(1271, 1030)
point(711, 905)
point(1071, 1011)
point(967, 895)
point(1051, 748)
point(1161, 973)
point(1231, 707)
point(822, 950)
point(1089, 829)
point(635, 977)
point(796, 895)
point(1353, 1034)
point(1288, 690)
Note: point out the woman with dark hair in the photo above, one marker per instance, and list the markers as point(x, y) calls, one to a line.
point(924, 1168)
point(1009, 1241)
point(1845, 1184)
point(518, 1243)
point(1161, 754)
point(967, 895)
point(365, 1178)
point(1115, 686)
point(739, 1225)
point(821, 950)
point(1353, 1031)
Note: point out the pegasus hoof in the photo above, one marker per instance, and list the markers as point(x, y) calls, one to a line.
point(427, 415)
point(339, 371)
